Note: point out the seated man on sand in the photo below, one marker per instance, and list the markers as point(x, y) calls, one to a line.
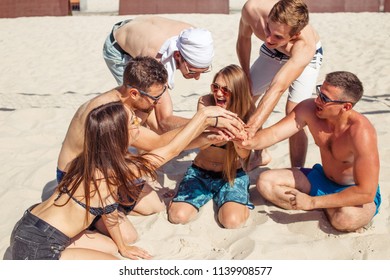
point(144, 82)
point(176, 44)
point(346, 184)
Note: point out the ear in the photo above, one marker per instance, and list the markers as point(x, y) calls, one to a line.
point(132, 93)
point(177, 54)
point(347, 106)
point(294, 37)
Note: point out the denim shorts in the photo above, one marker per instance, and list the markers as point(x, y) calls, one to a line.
point(199, 186)
point(34, 239)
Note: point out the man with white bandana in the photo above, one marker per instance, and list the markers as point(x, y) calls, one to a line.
point(176, 44)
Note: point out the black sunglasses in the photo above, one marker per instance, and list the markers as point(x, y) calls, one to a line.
point(224, 89)
point(326, 99)
point(154, 98)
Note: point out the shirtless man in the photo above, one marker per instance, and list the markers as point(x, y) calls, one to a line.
point(346, 185)
point(144, 84)
point(177, 45)
point(289, 58)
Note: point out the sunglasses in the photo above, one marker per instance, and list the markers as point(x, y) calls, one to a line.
point(154, 98)
point(326, 99)
point(216, 87)
point(192, 73)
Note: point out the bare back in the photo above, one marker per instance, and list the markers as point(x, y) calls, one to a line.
point(74, 139)
point(145, 35)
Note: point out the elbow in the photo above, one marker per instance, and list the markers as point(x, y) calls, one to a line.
point(164, 125)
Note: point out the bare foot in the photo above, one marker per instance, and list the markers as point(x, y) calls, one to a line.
point(258, 158)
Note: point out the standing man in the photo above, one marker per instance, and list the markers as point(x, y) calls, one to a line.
point(177, 45)
point(289, 58)
point(346, 184)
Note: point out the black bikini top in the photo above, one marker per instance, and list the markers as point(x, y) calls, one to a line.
point(96, 211)
point(221, 147)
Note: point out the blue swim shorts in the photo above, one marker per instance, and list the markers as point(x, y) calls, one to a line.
point(199, 186)
point(321, 185)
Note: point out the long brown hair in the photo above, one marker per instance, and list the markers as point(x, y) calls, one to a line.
point(105, 156)
point(242, 104)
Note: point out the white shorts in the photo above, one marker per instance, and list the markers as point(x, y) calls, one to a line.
point(269, 63)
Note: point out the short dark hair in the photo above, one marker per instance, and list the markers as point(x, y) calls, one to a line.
point(350, 84)
point(143, 72)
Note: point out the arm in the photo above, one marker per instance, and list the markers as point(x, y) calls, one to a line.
point(148, 139)
point(242, 152)
point(244, 43)
point(131, 252)
point(301, 55)
point(164, 114)
point(202, 119)
point(282, 130)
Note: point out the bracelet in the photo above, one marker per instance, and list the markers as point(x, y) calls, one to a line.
point(216, 122)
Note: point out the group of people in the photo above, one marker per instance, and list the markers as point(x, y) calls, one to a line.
point(101, 180)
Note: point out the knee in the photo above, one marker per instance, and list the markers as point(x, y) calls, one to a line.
point(233, 221)
point(264, 184)
point(177, 215)
point(343, 221)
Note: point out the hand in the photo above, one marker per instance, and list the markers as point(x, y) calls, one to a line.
point(245, 143)
point(134, 253)
point(251, 131)
point(300, 200)
point(226, 121)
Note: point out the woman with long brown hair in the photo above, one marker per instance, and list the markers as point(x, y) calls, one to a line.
point(217, 172)
point(104, 175)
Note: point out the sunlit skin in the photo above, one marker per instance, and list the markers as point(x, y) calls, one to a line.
point(221, 99)
point(277, 35)
point(148, 103)
point(190, 72)
point(211, 157)
point(331, 92)
point(255, 23)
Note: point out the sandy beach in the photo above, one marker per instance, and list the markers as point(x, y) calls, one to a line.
point(51, 65)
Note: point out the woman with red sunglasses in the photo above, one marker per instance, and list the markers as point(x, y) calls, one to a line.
point(216, 172)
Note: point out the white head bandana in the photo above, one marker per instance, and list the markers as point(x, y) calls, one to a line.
point(196, 47)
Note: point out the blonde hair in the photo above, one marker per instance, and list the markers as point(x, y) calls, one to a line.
point(242, 104)
point(293, 13)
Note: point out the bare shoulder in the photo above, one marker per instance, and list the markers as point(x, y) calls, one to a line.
point(103, 98)
point(205, 100)
point(361, 126)
point(253, 10)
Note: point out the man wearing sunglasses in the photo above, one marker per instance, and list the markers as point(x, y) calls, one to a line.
point(290, 58)
point(176, 44)
point(346, 183)
point(143, 85)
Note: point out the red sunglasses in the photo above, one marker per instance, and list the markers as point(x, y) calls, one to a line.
point(216, 87)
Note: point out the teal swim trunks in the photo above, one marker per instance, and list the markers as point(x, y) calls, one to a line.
point(200, 186)
point(321, 185)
